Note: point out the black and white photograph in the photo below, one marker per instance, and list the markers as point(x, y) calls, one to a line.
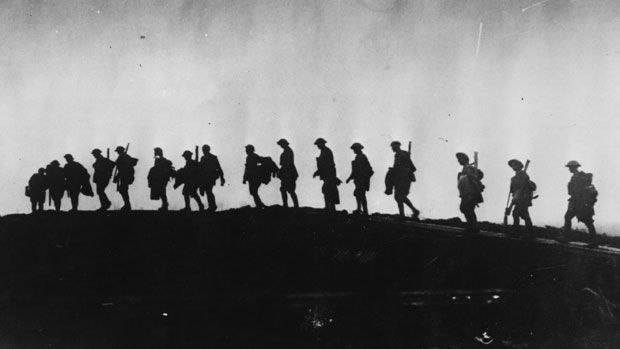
point(310, 174)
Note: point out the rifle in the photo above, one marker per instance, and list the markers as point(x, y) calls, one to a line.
point(196, 152)
point(107, 153)
point(409, 148)
point(476, 160)
point(509, 205)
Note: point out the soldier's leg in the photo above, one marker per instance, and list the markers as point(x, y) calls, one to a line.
point(74, 195)
point(210, 197)
point(33, 205)
point(568, 217)
point(284, 195)
point(415, 211)
point(294, 198)
point(57, 199)
point(41, 202)
point(186, 200)
point(201, 207)
point(525, 214)
point(364, 203)
point(164, 200)
point(124, 190)
point(254, 191)
point(515, 216)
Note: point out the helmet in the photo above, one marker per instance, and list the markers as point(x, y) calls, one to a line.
point(158, 151)
point(515, 162)
point(282, 142)
point(249, 147)
point(41, 170)
point(462, 157)
point(187, 153)
point(573, 163)
point(395, 144)
point(206, 147)
point(357, 146)
point(96, 151)
point(119, 148)
point(68, 156)
point(320, 141)
point(55, 163)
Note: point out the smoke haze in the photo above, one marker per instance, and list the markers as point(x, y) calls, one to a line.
point(75, 75)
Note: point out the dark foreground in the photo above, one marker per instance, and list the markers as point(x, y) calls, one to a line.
point(305, 279)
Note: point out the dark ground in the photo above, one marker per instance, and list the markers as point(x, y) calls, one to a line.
point(296, 279)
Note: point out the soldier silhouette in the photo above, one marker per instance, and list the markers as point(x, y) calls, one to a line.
point(76, 178)
point(36, 190)
point(583, 195)
point(189, 176)
point(470, 190)
point(326, 171)
point(210, 172)
point(399, 179)
point(125, 175)
point(55, 183)
point(252, 174)
point(159, 176)
point(361, 171)
point(521, 189)
point(287, 173)
point(101, 177)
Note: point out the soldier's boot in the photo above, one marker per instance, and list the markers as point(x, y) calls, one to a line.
point(127, 203)
point(593, 237)
point(364, 206)
point(187, 207)
point(201, 207)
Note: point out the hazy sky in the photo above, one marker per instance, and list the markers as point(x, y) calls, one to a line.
point(75, 75)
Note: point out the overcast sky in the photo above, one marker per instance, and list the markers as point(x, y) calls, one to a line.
point(541, 84)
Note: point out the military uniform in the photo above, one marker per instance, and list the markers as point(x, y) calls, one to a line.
point(189, 176)
point(101, 177)
point(361, 171)
point(580, 203)
point(288, 174)
point(36, 189)
point(326, 170)
point(55, 183)
point(522, 192)
point(76, 177)
point(158, 177)
point(470, 190)
point(402, 174)
point(125, 176)
point(253, 176)
point(210, 172)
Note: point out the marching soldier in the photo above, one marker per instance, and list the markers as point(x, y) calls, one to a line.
point(103, 173)
point(361, 171)
point(470, 190)
point(287, 173)
point(521, 189)
point(326, 171)
point(252, 174)
point(36, 190)
point(159, 176)
point(125, 175)
point(399, 179)
point(76, 181)
point(55, 183)
point(189, 176)
point(211, 171)
point(583, 195)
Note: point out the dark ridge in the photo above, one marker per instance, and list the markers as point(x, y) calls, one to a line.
point(296, 278)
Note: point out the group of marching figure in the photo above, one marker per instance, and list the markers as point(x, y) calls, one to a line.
point(200, 176)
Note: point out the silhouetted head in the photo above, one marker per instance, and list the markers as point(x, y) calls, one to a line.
point(120, 150)
point(573, 166)
point(357, 147)
point(395, 146)
point(206, 149)
point(462, 158)
point(41, 171)
point(187, 155)
point(96, 152)
point(320, 143)
point(69, 157)
point(515, 164)
point(249, 149)
point(55, 163)
point(158, 152)
point(282, 142)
